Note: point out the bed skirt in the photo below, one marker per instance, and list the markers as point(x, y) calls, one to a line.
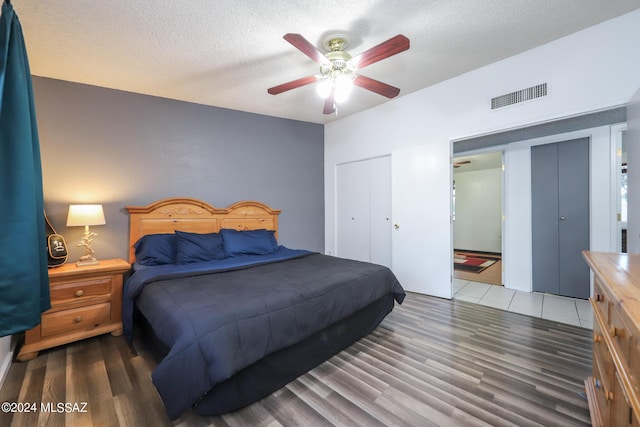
point(280, 368)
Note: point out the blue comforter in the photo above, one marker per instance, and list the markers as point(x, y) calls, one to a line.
point(219, 319)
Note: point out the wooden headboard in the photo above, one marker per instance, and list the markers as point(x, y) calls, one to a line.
point(195, 216)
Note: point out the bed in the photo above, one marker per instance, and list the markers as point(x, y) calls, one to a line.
point(231, 314)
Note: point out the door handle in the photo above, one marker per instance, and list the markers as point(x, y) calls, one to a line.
point(562, 218)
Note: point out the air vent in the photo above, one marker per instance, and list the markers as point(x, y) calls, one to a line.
point(518, 96)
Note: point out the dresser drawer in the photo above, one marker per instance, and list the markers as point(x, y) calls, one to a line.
point(616, 311)
point(77, 318)
point(621, 411)
point(603, 368)
point(601, 300)
point(62, 293)
point(634, 364)
point(600, 395)
point(620, 334)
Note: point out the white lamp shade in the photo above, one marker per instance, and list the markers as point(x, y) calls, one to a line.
point(80, 215)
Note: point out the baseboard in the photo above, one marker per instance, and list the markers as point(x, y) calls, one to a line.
point(7, 350)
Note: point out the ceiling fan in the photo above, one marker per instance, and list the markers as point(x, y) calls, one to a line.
point(339, 70)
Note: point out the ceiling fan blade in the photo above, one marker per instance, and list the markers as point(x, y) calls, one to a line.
point(292, 85)
point(376, 86)
point(329, 105)
point(305, 47)
point(384, 50)
point(463, 162)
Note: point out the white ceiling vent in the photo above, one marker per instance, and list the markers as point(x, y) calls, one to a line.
point(518, 96)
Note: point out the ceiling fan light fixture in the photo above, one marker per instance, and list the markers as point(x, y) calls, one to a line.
point(324, 87)
point(343, 85)
point(340, 87)
point(338, 69)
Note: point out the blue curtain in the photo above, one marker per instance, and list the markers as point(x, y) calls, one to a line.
point(24, 284)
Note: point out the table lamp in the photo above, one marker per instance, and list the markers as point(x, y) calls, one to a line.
point(86, 215)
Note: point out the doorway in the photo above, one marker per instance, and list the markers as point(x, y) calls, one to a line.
point(477, 217)
point(619, 136)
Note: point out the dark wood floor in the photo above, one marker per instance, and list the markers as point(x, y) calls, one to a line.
point(432, 362)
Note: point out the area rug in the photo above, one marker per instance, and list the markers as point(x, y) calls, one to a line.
point(473, 264)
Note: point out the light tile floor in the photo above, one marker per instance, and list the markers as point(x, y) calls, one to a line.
point(553, 307)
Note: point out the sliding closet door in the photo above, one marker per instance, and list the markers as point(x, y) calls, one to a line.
point(560, 217)
point(363, 212)
point(352, 214)
point(380, 211)
point(544, 218)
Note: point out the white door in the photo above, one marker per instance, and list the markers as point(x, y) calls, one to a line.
point(363, 220)
point(421, 202)
point(352, 216)
point(380, 209)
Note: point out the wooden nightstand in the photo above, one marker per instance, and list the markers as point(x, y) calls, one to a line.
point(85, 302)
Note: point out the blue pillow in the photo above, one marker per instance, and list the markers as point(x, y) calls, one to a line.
point(156, 249)
point(195, 247)
point(250, 242)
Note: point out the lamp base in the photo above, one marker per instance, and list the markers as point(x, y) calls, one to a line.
point(87, 261)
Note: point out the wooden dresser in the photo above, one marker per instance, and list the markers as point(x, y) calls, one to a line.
point(85, 302)
point(613, 390)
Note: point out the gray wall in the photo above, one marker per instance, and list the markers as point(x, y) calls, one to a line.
point(118, 148)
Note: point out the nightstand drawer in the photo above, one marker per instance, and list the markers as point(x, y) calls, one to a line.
point(76, 318)
point(77, 290)
point(85, 302)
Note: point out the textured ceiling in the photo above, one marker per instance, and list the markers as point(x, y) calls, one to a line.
point(226, 53)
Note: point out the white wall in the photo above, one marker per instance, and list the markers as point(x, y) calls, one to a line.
point(587, 71)
point(478, 223)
